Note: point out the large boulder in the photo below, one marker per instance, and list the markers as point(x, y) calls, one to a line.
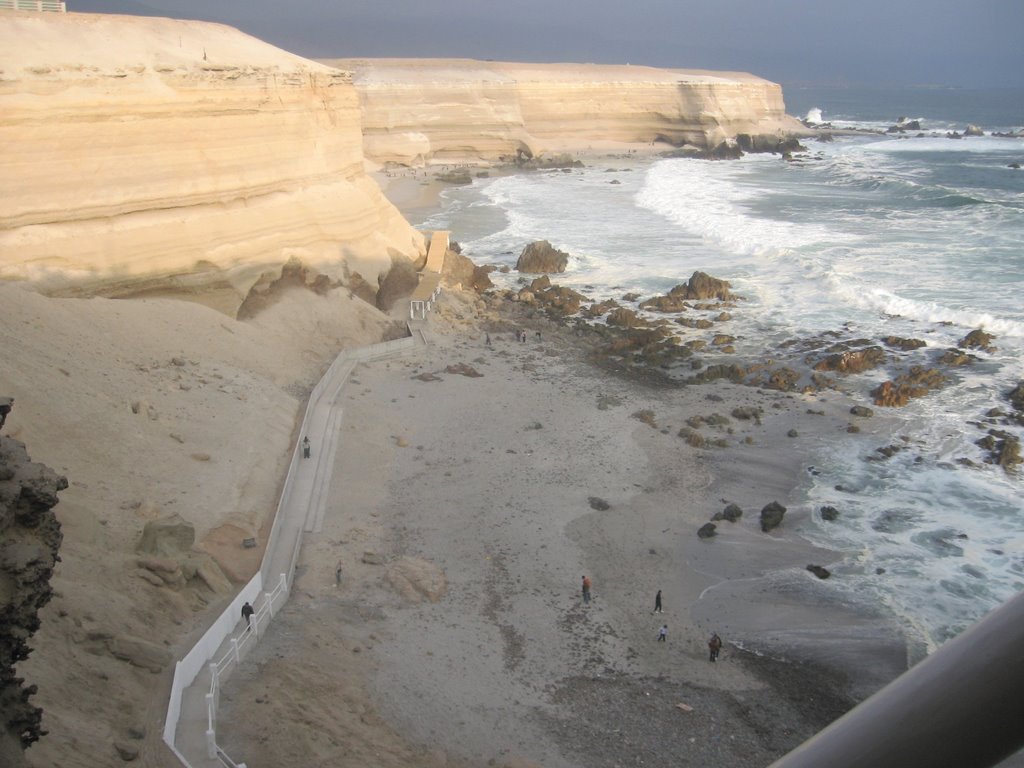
point(917, 383)
point(168, 537)
point(460, 269)
point(771, 516)
point(1016, 396)
point(856, 361)
point(707, 531)
point(977, 339)
point(541, 257)
point(703, 286)
point(732, 512)
point(623, 317)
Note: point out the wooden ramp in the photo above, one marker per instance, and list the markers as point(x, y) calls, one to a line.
point(439, 242)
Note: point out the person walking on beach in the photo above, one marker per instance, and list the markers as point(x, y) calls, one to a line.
point(487, 338)
point(247, 612)
point(586, 589)
point(657, 603)
point(663, 633)
point(714, 646)
point(305, 447)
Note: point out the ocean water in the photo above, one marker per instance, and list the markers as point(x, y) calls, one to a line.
point(870, 236)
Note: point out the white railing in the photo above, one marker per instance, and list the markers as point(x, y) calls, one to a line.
point(203, 653)
point(233, 657)
point(33, 5)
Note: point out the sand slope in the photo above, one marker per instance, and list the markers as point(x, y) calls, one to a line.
point(216, 403)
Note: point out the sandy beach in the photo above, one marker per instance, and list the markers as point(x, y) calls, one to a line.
point(474, 487)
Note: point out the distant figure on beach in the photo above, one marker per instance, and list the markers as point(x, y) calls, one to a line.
point(487, 338)
point(714, 645)
point(305, 447)
point(663, 633)
point(586, 589)
point(247, 612)
point(657, 603)
point(337, 576)
point(522, 335)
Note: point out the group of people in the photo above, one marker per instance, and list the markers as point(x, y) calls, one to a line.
point(714, 643)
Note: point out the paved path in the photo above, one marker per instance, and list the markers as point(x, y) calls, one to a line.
point(303, 500)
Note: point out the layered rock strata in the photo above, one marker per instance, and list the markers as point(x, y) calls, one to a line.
point(148, 156)
point(460, 110)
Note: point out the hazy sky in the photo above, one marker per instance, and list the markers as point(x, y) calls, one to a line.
point(858, 42)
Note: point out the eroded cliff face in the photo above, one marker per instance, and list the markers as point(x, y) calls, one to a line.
point(30, 538)
point(147, 156)
point(422, 110)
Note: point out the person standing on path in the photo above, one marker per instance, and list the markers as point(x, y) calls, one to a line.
point(247, 612)
point(663, 633)
point(714, 646)
point(305, 447)
point(657, 603)
point(586, 589)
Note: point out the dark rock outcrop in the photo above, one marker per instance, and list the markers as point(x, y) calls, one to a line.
point(526, 159)
point(1003, 449)
point(906, 345)
point(820, 571)
point(542, 257)
point(903, 125)
point(30, 539)
point(977, 339)
point(455, 176)
point(707, 530)
point(400, 281)
point(918, 383)
point(829, 513)
point(732, 513)
point(771, 516)
point(857, 361)
point(703, 286)
point(461, 269)
point(1016, 396)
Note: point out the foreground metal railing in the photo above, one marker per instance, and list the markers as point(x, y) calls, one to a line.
point(962, 707)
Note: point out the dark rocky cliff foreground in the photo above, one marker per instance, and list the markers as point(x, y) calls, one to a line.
point(30, 538)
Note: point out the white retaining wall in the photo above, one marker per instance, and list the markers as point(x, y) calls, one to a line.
point(205, 650)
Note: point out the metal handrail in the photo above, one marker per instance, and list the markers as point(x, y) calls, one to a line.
point(962, 706)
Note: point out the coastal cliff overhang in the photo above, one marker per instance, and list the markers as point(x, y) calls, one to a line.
point(150, 156)
point(416, 111)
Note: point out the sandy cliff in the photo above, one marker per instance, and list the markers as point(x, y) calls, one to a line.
point(441, 110)
point(154, 156)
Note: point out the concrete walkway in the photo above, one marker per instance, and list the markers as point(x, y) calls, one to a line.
point(301, 509)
